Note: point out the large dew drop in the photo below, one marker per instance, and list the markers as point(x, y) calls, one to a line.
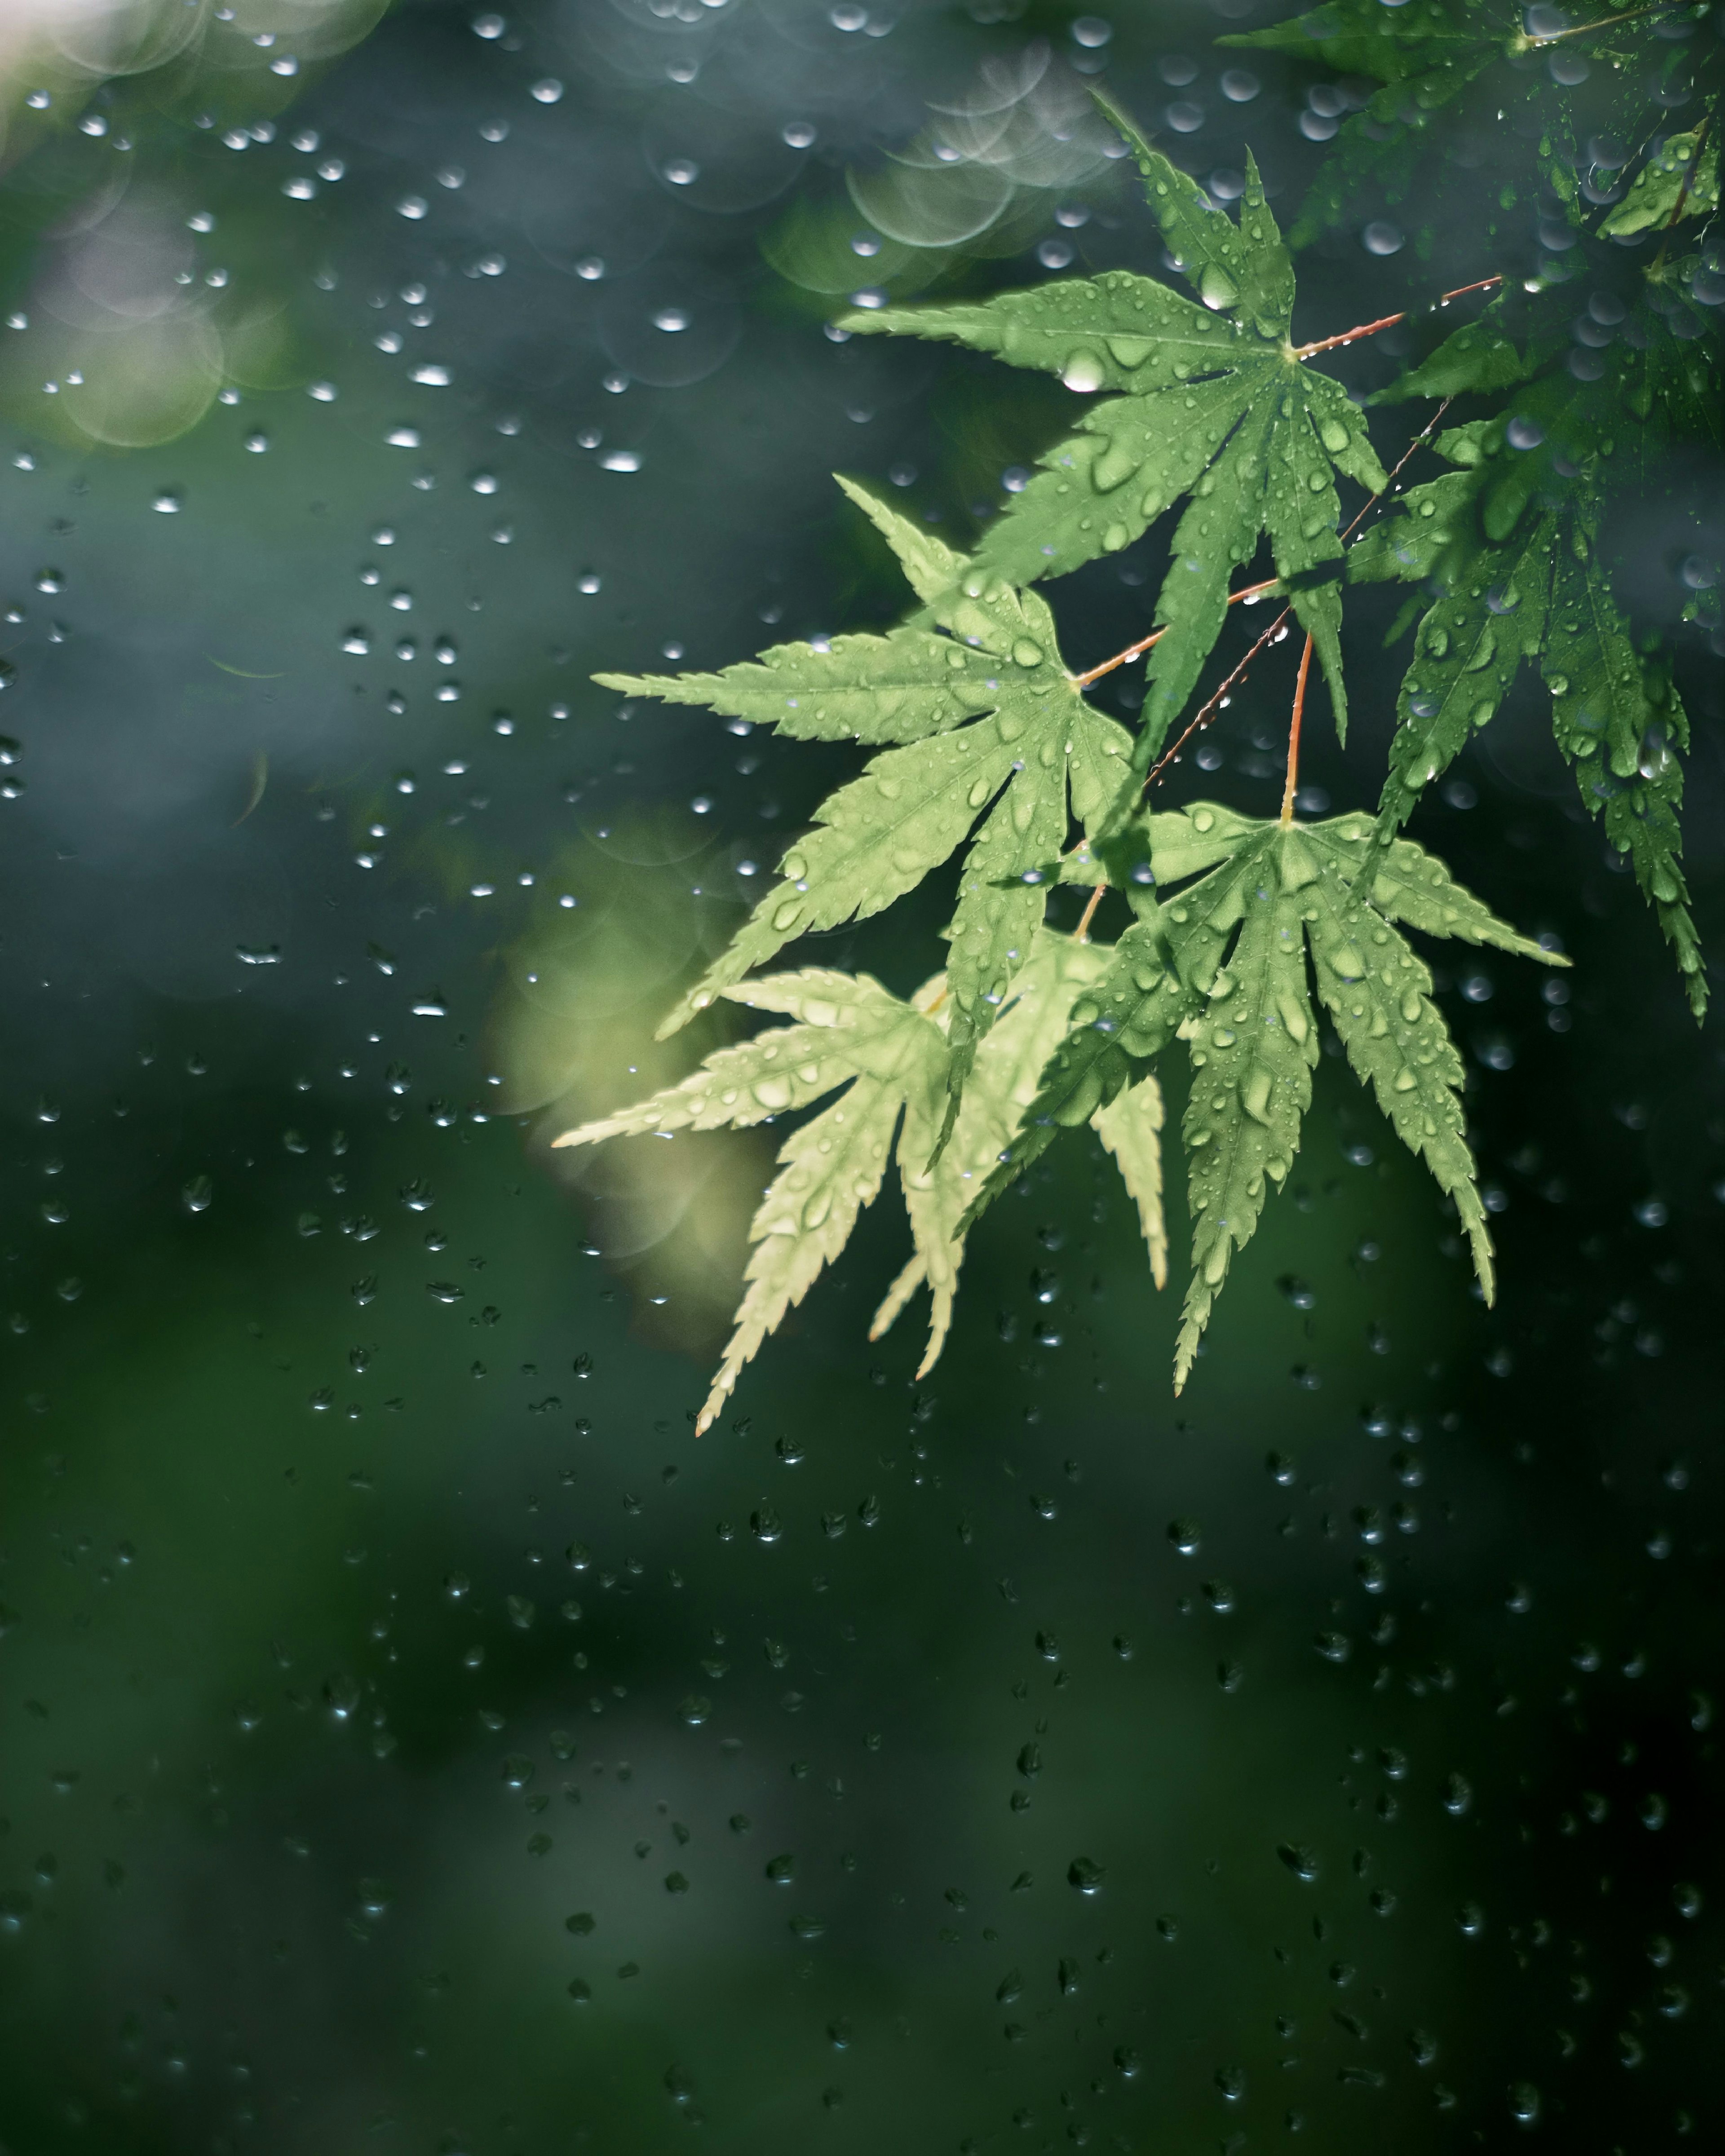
point(1216, 289)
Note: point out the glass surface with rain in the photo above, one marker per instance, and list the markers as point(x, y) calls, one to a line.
point(414, 1736)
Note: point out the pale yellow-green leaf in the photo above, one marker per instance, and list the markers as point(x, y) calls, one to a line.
point(937, 1194)
point(1130, 1127)
point(829, 1170)
point(788, 1068)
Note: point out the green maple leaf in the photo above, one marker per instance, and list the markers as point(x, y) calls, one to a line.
point(1509, 541)
point(992, 726)
point(1475, 359)
point(1513, 548)
point(1130, 1127)
point(890, 1057)
point(1619, 722)
point(938, 1193)
point(1215, 403)
point(1229, 965)
point(1682, 179)
point(887, 1055)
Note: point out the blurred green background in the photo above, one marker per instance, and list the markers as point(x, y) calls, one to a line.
point(413, 1737)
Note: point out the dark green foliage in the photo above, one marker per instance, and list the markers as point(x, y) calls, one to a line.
point(1484, 62)
point(1509, 546)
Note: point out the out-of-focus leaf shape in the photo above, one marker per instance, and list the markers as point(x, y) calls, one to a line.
point(1681, 180)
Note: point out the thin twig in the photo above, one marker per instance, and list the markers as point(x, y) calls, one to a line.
point(1209, 710)
point(1082, 933)
point(1534, 44)
point(1293, 777)
point(1256, 591)
point(1138, 650)
point(1402, 463)
point(1389, 321)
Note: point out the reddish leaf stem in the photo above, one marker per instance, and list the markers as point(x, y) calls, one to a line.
point(1209, 710)
point(1138, 650)
point(1293, 777)
point(1256, 591)
point(1389, 321)
point(1533, 44)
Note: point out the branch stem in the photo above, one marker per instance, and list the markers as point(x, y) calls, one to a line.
point(1210, 709)
point(1586, 29)
point(1389, 321)
point(1081, 935)
point(1256, 591)
point(1293, 777)
point(1138, 650)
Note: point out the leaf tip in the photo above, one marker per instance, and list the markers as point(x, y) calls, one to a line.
point(724, 1383)
point(676, 1019)
point(946, 1134)
point(1186, 1351)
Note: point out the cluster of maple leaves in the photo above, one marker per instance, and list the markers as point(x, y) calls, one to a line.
point(1244, 930)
